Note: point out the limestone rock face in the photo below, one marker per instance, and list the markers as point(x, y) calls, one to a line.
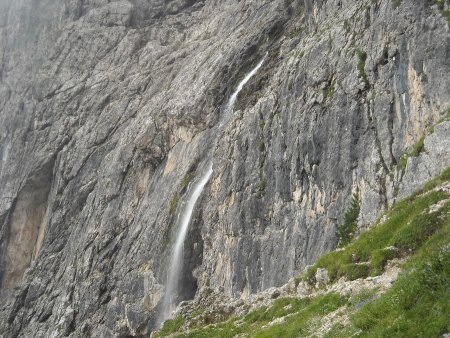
point(106, 114)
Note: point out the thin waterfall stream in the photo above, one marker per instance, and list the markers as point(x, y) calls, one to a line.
point(184, 217)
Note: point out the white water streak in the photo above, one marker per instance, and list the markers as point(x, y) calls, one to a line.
point(233, 97)
point(184, 218)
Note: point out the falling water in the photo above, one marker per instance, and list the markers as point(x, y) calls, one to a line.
point(233, 97)
point(184, 218)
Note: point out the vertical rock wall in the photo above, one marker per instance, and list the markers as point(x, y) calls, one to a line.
point(105, 114)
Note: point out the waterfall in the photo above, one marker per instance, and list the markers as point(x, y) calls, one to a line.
point(233, 97)
point(184, 217)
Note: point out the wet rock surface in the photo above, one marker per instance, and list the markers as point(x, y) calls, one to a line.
point(107, 107)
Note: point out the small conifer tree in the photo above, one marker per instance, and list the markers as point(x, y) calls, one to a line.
point(345, 232)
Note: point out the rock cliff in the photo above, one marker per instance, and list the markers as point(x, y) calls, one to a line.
point(107, 110)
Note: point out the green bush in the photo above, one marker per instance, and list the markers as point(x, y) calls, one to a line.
point(329, 89)
point(262, 146)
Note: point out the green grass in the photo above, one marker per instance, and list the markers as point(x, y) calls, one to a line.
point(396, 3)
point(171, 326)
point(347, 26)
point(300, 313)
point(380, 258)
point(444, 177)
point(295, 32)
point(418, 305)
point(173, 204)
point(290, 84)
point(445, 13)
point(262, 146)
point(261, 184)
point(185, 181)
point(446, 117)
point(415, 150)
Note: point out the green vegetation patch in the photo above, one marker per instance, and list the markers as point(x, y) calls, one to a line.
point(362, 56)
point(171, 326)
point(396, 3)
point(185, 181)
point(408, 226)
point(418, 147)
point(297, 314)
point(295, 32)
point(441, 179)
point(445, 13)
point(445, 118)
point(418, 305)
point(415, 150)
point(173, 204)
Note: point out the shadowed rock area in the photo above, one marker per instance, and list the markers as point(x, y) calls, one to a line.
point(107, 108)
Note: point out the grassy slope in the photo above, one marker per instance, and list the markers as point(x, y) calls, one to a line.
point(418, 304)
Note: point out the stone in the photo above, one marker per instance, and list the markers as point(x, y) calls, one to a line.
point(321, 277)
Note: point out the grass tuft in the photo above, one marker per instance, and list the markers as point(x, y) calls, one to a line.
point(173, 204)
point(171, 326)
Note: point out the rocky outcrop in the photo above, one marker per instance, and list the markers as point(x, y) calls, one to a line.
point(106, 112)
